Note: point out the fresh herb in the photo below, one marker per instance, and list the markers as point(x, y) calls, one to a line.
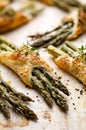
point(19, 50)
point(33, 48)
point(82, 49)
point(26, 53)
point(10, 12)
point(37, 53)
point(1, 9)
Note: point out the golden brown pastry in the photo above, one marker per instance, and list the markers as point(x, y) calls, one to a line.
point(49, 2)
point(11, 19)
point(78, 17)
point(4, 3)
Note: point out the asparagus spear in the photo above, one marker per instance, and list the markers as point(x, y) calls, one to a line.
point(69, 49)
point(40, 88)
point(62, 51)
point(4, 109)
point(75, 49)
point(14, 98)
point(9, 89)
point(18, 106)
point(56, 83)
point(53, 37)
point(6, 45)
point(75, 52)
point(14, 92)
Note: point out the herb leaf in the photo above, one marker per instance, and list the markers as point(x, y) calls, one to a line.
point(82, 49)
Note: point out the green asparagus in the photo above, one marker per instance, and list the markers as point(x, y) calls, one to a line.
point(69, 48)
point(9, 89)
point(40, 88)
point(54, 37)
point(17, 105)
point(51, 88)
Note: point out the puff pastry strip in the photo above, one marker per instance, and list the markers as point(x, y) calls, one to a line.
point(11, 19)
point(4, 3)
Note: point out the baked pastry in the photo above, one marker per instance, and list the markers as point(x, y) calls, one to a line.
point(11, 19)
point(4, 3)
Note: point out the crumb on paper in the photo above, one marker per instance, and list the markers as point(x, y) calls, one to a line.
point(43, 128)
point(8, 82)
point(60, 77)
point(47, 115)
point(27, 93)
point(36, 96)
point(38, 100)
point(74, 108)
point(78, 97)
point(22, 123)
point(66, 83)
point(76, 89)
point(73, 103)
point(81, 92)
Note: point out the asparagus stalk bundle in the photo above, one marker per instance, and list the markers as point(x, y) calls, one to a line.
point(53, 37)
point(11, 18)
point(35, 72)
point(16, 100)
point(71, 59)
point(66, 5)
point(71, 27)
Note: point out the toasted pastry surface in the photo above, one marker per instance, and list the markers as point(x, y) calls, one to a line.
point(11, 19)
point(79, 19)
point(49, 2)
point(4, 3)
point(74, 66)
